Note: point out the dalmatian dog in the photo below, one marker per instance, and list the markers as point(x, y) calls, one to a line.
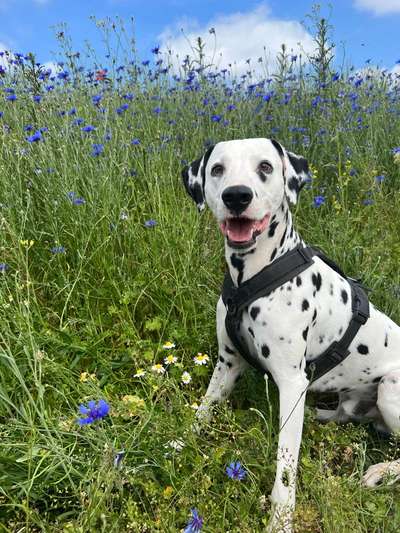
point(249, 184)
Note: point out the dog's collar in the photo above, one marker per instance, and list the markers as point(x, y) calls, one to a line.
point(284, 269)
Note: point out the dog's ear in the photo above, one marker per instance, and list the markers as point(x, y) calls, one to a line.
point(296, 172)
point(194, 177)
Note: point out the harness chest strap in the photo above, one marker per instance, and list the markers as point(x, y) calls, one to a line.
point(285, 268)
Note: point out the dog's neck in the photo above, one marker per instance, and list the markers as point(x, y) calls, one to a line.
point(278, 238)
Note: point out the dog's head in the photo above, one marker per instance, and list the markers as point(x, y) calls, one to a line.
point(244, 182)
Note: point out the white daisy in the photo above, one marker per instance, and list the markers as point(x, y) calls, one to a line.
point(186, 378)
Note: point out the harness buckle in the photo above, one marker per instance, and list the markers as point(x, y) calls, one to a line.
point(360, 317)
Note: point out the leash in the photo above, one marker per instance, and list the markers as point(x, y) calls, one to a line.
point(283, 269)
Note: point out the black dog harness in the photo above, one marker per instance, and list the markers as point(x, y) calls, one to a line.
point(283, 269)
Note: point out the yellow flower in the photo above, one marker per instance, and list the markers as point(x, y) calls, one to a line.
point(170, 359)
point(85, 376)
point(158, 369)
point(201, 359)
point(168, 345)
point(168, 491)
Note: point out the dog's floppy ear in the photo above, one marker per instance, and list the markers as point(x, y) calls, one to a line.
point(194, 177)
point(296, 172)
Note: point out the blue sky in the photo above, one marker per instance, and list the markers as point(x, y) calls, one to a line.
point(368, 28)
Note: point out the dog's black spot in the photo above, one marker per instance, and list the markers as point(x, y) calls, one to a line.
point(344, 296)
point(228, 350)
point(299, 163)
point(340, 331)
point(314, 315)
point(272, 227)
point(238, 263)
point(321, 339)
point(265, 350)
point(264, 323)
point(345, 389)
point(229, 364)
point(281, 338)
point(254, 312)
point(221, 359)
point(251, 332)
point(293, 184)
point(363, 349)
point(330, 311)
point(291, 232)
point(386, 340)
point(289, 303)
point(305, 333)
point(298, 281)
point(305, 305)
point(273, 254)
point(282, 239)
point(331, 289)
point(317, 280)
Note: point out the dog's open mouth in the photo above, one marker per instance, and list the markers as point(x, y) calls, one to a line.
point(241, 232)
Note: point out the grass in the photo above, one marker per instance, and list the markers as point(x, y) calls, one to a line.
point(89, 294)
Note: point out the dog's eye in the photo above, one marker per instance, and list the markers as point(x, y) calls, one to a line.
point(217, 170)
point(266, 167)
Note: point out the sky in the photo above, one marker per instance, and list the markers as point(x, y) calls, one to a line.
point(363, 29)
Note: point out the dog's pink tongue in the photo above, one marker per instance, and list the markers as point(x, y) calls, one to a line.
point(239, 229)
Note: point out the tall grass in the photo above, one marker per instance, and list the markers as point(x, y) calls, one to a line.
point(103, 260)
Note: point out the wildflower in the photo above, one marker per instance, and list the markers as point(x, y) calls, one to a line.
point(140, 372)
point(150, 223)
point(318, 201)
point(101, 75)
point(96, 99)
point(186, 378)
point(168, 345)
point(37, 136)
point(135, 142)
point(176, 445)
point(155, 50)
point(396, 154)
point(57, 250)
point(201, 359)
point(97, 149)
point(379, 179)
point(216, 118)
point(88, 128)
point(122, 108)
point(11, 97)
point(93, 411)
point(3, 268)
point(157, 110)
point(194, 406)
point(85, 376)
point(195, 524)
point(368, 201)
point(77, 122)
point(236, 471)
point(170, 359)
point(123, 216)
point(158, 369)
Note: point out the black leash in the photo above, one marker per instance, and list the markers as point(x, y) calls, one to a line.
point(283, 269)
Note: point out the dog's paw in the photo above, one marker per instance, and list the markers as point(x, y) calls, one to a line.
point(387, 473)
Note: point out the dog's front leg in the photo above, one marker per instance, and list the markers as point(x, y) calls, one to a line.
point(292, 392)
point(229, 368)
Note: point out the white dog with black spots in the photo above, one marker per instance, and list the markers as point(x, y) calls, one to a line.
point(248, 185)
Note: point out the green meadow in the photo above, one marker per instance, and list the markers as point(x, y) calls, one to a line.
point(105, 264)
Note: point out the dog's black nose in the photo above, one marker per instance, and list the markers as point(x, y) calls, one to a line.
point(237, 198)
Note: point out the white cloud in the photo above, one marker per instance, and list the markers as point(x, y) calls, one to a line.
point(239, 36)
point(379, 7)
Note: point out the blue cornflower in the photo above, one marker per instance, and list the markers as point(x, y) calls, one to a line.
point(28, 127)
point(236, 471)
point(63, 75)
point(128, 96)
point(122, 109)
point(1, 114)
point(11, 97)
point(37, 136)
point(77, 122)
point(145, 63)
point(155, 50)
point(150, 223)
point(57, 250)
point(93, 411)
point(318, 201)
point(379, 179)
point(231, 107)
point(368, 201)
point(157, 110)
point(135, 142)
point(216, 118)
point(3, 268)
point(396, 150)
point(72, 111)
point(195, 524)
point(96, 99)
point(37, 98)
point(88, 128)
point(97, 149)
point(49, 88)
